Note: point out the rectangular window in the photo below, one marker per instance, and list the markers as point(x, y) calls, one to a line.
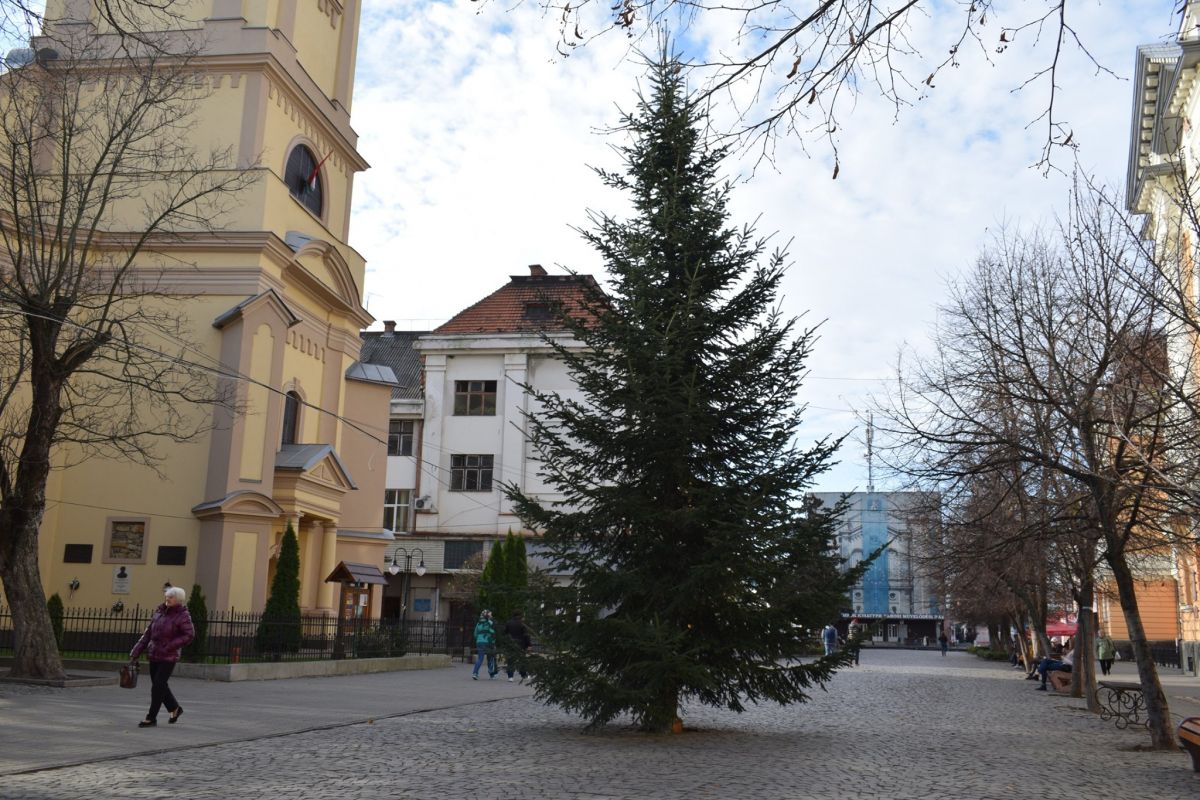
point(77, 554)
point(125, 542)
point(396, 506)
point(471, 473)
point(457, 553)
point(171, 556)
point(474, 398)
point(400, 437)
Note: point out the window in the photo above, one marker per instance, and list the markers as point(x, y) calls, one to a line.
point(538, 312)
point(400, 437)
point(171, 556)
point(125, 542)
point(77, 554)
point(474, 398)
point(457, 553)
point(303, 178)
point(291, 418)
point(471, 473)
point(396, 505)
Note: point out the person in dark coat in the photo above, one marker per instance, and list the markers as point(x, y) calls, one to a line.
point(519, 644)
point(169, 631)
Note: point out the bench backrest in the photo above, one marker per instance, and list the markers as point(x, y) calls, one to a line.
point(1190, 729)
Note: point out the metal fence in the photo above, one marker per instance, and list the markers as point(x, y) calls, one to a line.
point(1164, 653)
point(231, 637)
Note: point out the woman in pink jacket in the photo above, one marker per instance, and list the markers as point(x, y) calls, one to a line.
point(170, 629)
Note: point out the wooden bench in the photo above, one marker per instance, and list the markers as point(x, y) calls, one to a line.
point(1189, 737)
point(1059, 681)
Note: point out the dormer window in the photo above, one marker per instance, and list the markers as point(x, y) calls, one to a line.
point(537, 312)
point(303, 178)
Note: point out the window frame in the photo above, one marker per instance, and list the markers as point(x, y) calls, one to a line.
point(466, 393)
point(400, 437)
point(298, 191)
point(457, 552)
point(289, 432)
point(393, 501)
point(461, 470)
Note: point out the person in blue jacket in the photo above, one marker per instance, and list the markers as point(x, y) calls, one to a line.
point(485, 645)
point(829, 636)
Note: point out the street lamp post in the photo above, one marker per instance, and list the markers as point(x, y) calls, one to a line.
point(395, 568)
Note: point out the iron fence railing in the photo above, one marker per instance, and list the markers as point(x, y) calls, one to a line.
point(234, 637)
point(1165, 653)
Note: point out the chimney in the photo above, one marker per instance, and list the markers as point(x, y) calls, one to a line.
point(389, 326)
point(536, 271)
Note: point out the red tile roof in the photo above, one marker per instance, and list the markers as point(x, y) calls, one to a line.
point(522, 306)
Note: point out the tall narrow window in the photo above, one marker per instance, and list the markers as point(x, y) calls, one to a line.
point(474, 398)
point(396, 506)
point(400, 437)
point(291, 417)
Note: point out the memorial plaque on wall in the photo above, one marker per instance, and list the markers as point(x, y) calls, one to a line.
point(120, 584)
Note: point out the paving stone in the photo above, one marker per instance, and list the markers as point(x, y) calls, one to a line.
point(902, 726)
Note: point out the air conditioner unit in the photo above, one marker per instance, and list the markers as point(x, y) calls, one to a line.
point(423, 503)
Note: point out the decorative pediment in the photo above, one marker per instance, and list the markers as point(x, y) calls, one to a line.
point(318, 463)
point(269, 299)
point(320, 268)
point(242, 503)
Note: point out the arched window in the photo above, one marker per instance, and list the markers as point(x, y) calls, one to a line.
point(291, 417)
point(303, 178)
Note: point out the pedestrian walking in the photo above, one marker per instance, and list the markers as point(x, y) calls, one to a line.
point(169, 631)
point(854, 638)
point(829, 637)
point(1106, 651)
point(944, 643)
point(485, 645)
point(519, 644)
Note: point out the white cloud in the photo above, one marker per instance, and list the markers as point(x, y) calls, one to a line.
point(480, 139)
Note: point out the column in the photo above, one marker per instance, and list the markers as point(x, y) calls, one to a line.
point(511, 466)
point(326, 593)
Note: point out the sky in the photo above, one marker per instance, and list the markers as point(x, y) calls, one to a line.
point(482, 140)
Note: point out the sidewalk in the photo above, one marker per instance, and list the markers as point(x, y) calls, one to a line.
point(42, 727)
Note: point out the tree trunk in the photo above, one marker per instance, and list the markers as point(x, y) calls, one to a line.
point(35, 650)
point(1157, 712)
point(1083, 679)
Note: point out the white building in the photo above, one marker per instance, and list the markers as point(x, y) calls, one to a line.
point(458, 430)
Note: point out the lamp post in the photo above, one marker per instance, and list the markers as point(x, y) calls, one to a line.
point(395, 568)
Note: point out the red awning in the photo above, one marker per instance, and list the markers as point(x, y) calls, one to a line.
point(1060, 628)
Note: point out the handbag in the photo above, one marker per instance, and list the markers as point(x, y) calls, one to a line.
point(129, 675)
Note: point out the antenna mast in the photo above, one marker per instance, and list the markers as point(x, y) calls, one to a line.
point(871, 452)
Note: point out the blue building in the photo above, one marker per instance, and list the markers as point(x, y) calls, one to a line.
point(895, 599)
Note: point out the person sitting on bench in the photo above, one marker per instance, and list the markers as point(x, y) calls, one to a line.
point(1049, 665)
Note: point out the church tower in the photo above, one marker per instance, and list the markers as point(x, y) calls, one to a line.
point(275, 298)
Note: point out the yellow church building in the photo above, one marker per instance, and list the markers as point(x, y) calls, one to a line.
point(276, 299)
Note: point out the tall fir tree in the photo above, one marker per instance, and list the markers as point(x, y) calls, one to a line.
point(697, 561)
point(516, 567)
point(491, 581)
point(279, 630)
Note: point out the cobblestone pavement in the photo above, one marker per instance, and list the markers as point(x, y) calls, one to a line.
point(903, 725)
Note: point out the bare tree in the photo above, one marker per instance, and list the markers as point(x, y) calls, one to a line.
point(1053, 330)
point(98, 180)
point(793, 68)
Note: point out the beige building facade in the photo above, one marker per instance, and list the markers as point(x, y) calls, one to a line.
point(1163, 180)
point(275, 299)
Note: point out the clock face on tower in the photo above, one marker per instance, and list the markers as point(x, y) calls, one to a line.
point(303, 178)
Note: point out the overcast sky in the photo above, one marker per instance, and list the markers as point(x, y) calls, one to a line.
point(481, 138)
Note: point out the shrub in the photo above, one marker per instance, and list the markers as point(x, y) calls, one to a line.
point(198, 609)
point(279, 631)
